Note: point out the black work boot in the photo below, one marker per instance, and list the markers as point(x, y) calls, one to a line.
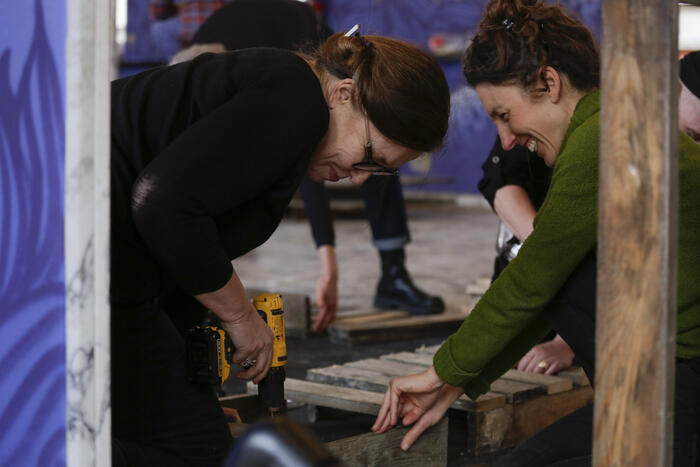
point(396, 289)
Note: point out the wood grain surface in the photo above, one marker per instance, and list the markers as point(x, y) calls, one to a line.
point(637, 233)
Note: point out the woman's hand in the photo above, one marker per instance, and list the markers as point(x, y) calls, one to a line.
point(423, 398)
point(548, 358)
point(252, 339)
point(326, 289)
point(251, 336)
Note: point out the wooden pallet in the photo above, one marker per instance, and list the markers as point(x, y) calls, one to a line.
point(367, 449)
point(518, 405)
point(375, 326)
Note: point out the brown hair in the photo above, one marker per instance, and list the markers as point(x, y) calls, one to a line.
point(402, 88)
point(517, 39)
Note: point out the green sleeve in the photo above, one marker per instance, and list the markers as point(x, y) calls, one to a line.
point(501, 363)
point(494, 334)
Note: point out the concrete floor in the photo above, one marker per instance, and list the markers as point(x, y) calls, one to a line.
point(451, 247)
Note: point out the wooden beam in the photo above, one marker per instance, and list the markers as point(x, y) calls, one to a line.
point(380, 449)
point(637, 234)
point(388, 330)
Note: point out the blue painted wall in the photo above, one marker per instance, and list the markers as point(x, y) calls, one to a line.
point(32, 330)
point(471, 134)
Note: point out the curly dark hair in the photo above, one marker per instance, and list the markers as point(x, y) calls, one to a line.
point(517, 39)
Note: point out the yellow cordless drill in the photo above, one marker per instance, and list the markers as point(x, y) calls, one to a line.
point(210, 350)
point(271, 388)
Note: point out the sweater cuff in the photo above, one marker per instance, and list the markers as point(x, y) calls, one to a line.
point(210, 279)
point(447, 369)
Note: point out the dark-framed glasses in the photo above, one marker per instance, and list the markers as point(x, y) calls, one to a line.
point(370, 165)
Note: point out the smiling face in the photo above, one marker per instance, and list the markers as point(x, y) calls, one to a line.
point(538, 123)
point(344, 143)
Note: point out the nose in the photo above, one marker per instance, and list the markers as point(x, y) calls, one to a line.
point(508, 138)
point(358, 177)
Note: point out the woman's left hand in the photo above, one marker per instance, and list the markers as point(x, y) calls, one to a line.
point(549, 357)
point(422, 399)
point(326, 289)
point(327, 301)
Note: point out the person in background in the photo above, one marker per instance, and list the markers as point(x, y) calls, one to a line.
point(290, 24)
point(689, 100)
point(205, 157)
point(536, 72)
point(174, 22)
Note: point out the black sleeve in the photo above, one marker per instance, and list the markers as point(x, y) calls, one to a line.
point(222, 161)
point(318, 211)
point(515, 167)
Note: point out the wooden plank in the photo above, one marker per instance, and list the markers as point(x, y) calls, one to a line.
point(487, 430)
point(396, 329)
point(387, 367)
point(514, 391)
point(414, 358)
point(637, 234)
point(368, 380)
point(576, 375)
point(428, 349)
point(383, 449)
point(553, 384)
point(358, 378)
point(536, 414)
point(392, 369)
point(337, 397)
point(370, 317)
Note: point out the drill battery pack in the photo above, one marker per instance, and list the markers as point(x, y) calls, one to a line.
point(209, 354)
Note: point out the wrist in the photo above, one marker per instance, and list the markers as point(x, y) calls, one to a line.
point(235, 314)
point(329, 265)
point(433, 378)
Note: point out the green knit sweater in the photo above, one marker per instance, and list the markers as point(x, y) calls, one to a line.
point(508, 320)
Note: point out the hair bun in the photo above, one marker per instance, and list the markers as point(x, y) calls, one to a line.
point(518, 39)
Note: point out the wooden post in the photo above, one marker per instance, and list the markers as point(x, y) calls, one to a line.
point(637, 234)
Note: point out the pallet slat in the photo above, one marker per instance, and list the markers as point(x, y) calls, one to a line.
point(553, 384)
point(388, 330)
point(367, 380)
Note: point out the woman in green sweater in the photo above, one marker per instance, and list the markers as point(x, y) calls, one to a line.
point(536, 71)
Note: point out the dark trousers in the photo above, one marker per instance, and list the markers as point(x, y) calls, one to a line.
point(384, 205)
point(386, 211)
point(568, 442)
point(158, 417)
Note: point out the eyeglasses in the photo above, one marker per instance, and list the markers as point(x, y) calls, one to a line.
point(369, 164)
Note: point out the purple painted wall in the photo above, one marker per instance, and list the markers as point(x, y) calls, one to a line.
point(32, 327)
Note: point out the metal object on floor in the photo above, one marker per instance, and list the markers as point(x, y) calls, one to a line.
point(280, 443)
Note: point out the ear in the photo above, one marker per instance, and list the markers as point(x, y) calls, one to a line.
point(554, 84)
point(342, 92)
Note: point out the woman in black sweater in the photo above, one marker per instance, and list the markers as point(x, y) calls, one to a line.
point(205, 157)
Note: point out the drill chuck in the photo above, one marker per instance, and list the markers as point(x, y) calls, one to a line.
point(271, 390)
